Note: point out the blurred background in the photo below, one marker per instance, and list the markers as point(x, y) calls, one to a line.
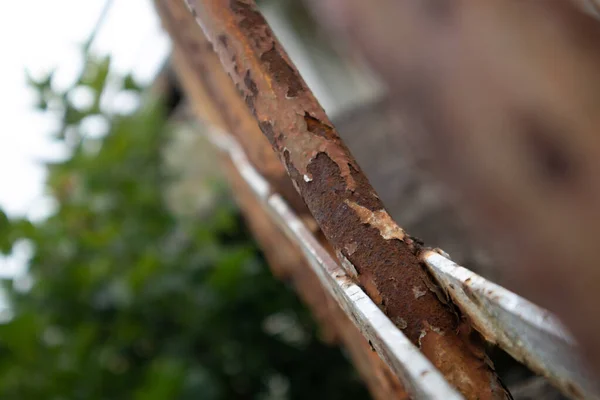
point(127, 270)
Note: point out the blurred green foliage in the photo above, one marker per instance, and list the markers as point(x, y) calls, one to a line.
point(129, 302)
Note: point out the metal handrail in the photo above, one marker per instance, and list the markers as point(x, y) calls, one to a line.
point(272, 87)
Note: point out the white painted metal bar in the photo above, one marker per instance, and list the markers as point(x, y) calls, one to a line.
point(527, 332)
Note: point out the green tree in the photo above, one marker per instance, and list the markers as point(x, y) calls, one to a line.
point(127, 300)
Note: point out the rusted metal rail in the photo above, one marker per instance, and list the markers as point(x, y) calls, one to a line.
point(382, 258)
point(527, 332)
point(288, 263)
point(400, 276)
point(202, 79)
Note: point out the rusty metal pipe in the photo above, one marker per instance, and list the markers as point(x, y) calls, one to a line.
point(383, 259)
point(200, 67)
point(211, 97)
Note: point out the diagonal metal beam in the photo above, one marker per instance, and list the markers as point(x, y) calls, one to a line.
point(209, 91)
point(383, 259)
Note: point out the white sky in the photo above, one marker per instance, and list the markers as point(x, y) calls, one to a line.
point(39, 35)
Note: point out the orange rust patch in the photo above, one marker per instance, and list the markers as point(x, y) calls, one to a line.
point(371, 288)
point(470, 375)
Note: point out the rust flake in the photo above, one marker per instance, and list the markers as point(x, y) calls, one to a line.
point(283, 73)
point(400, 322)
point(472, 376)
point(418, 292)
point(251, 23)
point(387, 269)
point(302, 148)
point(380, 220)
point(351, 248)
point(277, 89)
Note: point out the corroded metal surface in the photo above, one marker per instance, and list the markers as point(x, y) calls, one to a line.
point(204, 76)
point(339, 196)
point(527, 332)
point(504, 96)
point(289, 264)
point(418, 375)
point(524, 330)
point(208, 95)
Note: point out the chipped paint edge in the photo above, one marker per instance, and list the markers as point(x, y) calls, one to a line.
point(529, 333)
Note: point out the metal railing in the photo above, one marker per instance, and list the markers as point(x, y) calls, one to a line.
point(410, 324)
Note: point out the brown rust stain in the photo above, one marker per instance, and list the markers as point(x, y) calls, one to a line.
point(330, 143)
point(250, 19)
point(387, 269)
point(203, 69)
point(318, 128)
point(303, 123)
point(288, 263)
point(303, 147)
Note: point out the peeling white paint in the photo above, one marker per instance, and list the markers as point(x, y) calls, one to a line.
point(442, 253)
point(351, 248)
point(400, 322)
point(418, 292)
point(436, 330)
point(346, 264)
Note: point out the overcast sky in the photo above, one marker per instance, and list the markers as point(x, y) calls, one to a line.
point(39, 35)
